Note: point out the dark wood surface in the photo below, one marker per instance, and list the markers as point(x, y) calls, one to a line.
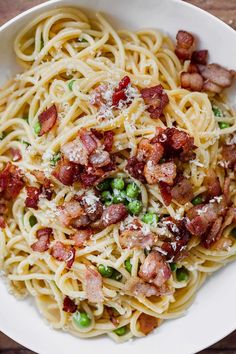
point(224, 9)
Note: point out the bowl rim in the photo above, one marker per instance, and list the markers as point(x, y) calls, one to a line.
point(225, 26)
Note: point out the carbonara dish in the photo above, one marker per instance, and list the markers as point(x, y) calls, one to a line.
point(117, 174)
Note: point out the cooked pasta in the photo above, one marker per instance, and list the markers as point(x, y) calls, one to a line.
point(97, 127)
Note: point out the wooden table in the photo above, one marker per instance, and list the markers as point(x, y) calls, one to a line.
point(224, 9)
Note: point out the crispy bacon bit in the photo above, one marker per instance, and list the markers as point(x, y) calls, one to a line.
point(137, 287)
point(182, 192)
point(165, 190)
point(200, 57)
point(69, 212)
point(156, 99)
point(211, 87)
point(93, 285)
point(16, 154)
point(81, 236)
point(136, 239)
point(119, 92)
point(112, 316)
point(47, 119)
point(75, 151)
point(185, 45)
point(69, 305)
point(43, 236)
point(151, 152)
point(192, 82)
point(147, 323)
point(113, 214)
point(229, 155)
point(63, 253)
point(213, 184)
point(11, 182)
point(93, 209)
point(32, 198)
point(97, 97)
point(217, 75)
point(100, 159)
point(89, 140)
point(193, 68)
point(166, 172)
point(47, 190)
point(67, 172)
point(2, 222)
point(91, 175)
point(154, 269)
point(214, 234)
point(136, 169)
point(108, 140)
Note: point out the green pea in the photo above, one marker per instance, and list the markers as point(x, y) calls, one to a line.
point(197, 200)
point(104, 185)
point(224, 125)
point(106, 196)
point(132, 190)
point(173, 267)
point(70, 84)
point(135, 207)
point(182, 274)
point(128, 265)
point(32, 220)
point(120, 331)
point(233, 232)
point(217, 112)
point(26, 143)
point(118, 183)
point(116, 275)
point(150, 218)
point(37, 128)
point(56, 157)
point(119, 197)
point(105, 271)
point(81, 319)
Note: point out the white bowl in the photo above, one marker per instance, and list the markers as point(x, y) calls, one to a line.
point(212, 316)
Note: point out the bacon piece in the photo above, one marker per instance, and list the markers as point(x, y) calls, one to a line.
point(156, 99)
point(185, 45)
point(43, 236)
point(147, 323)
point(166, 172)
point(81, 236)
point(211, 87)
point(89, 140)
point(100, 159)
point(217, 75)
point(136, 239)
point(200, 57)
point(32, 198)
point(226, 190)
point(67, 172)
point(192, 82)
point(113, 214)
point(108, 140)
point(165, 190)
point(91, 175)
point(182, 192)
point(112, 316)
point(46, 191)
point(137, 287)
point(16, 154)
point(151, 152)
point(47, 119)
point(11, 182)
point(64, 253)
point(136, 169)
point(69, 305)
point(2, 222)
point(193, 68)
point(214, 234)
point(213, 184)
point(119, 92)
point(229, 155)
point(69, 211)
point(154, 269)
point(93, 209)
point(75, 151)
point(97, 97)
point(93, 285)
